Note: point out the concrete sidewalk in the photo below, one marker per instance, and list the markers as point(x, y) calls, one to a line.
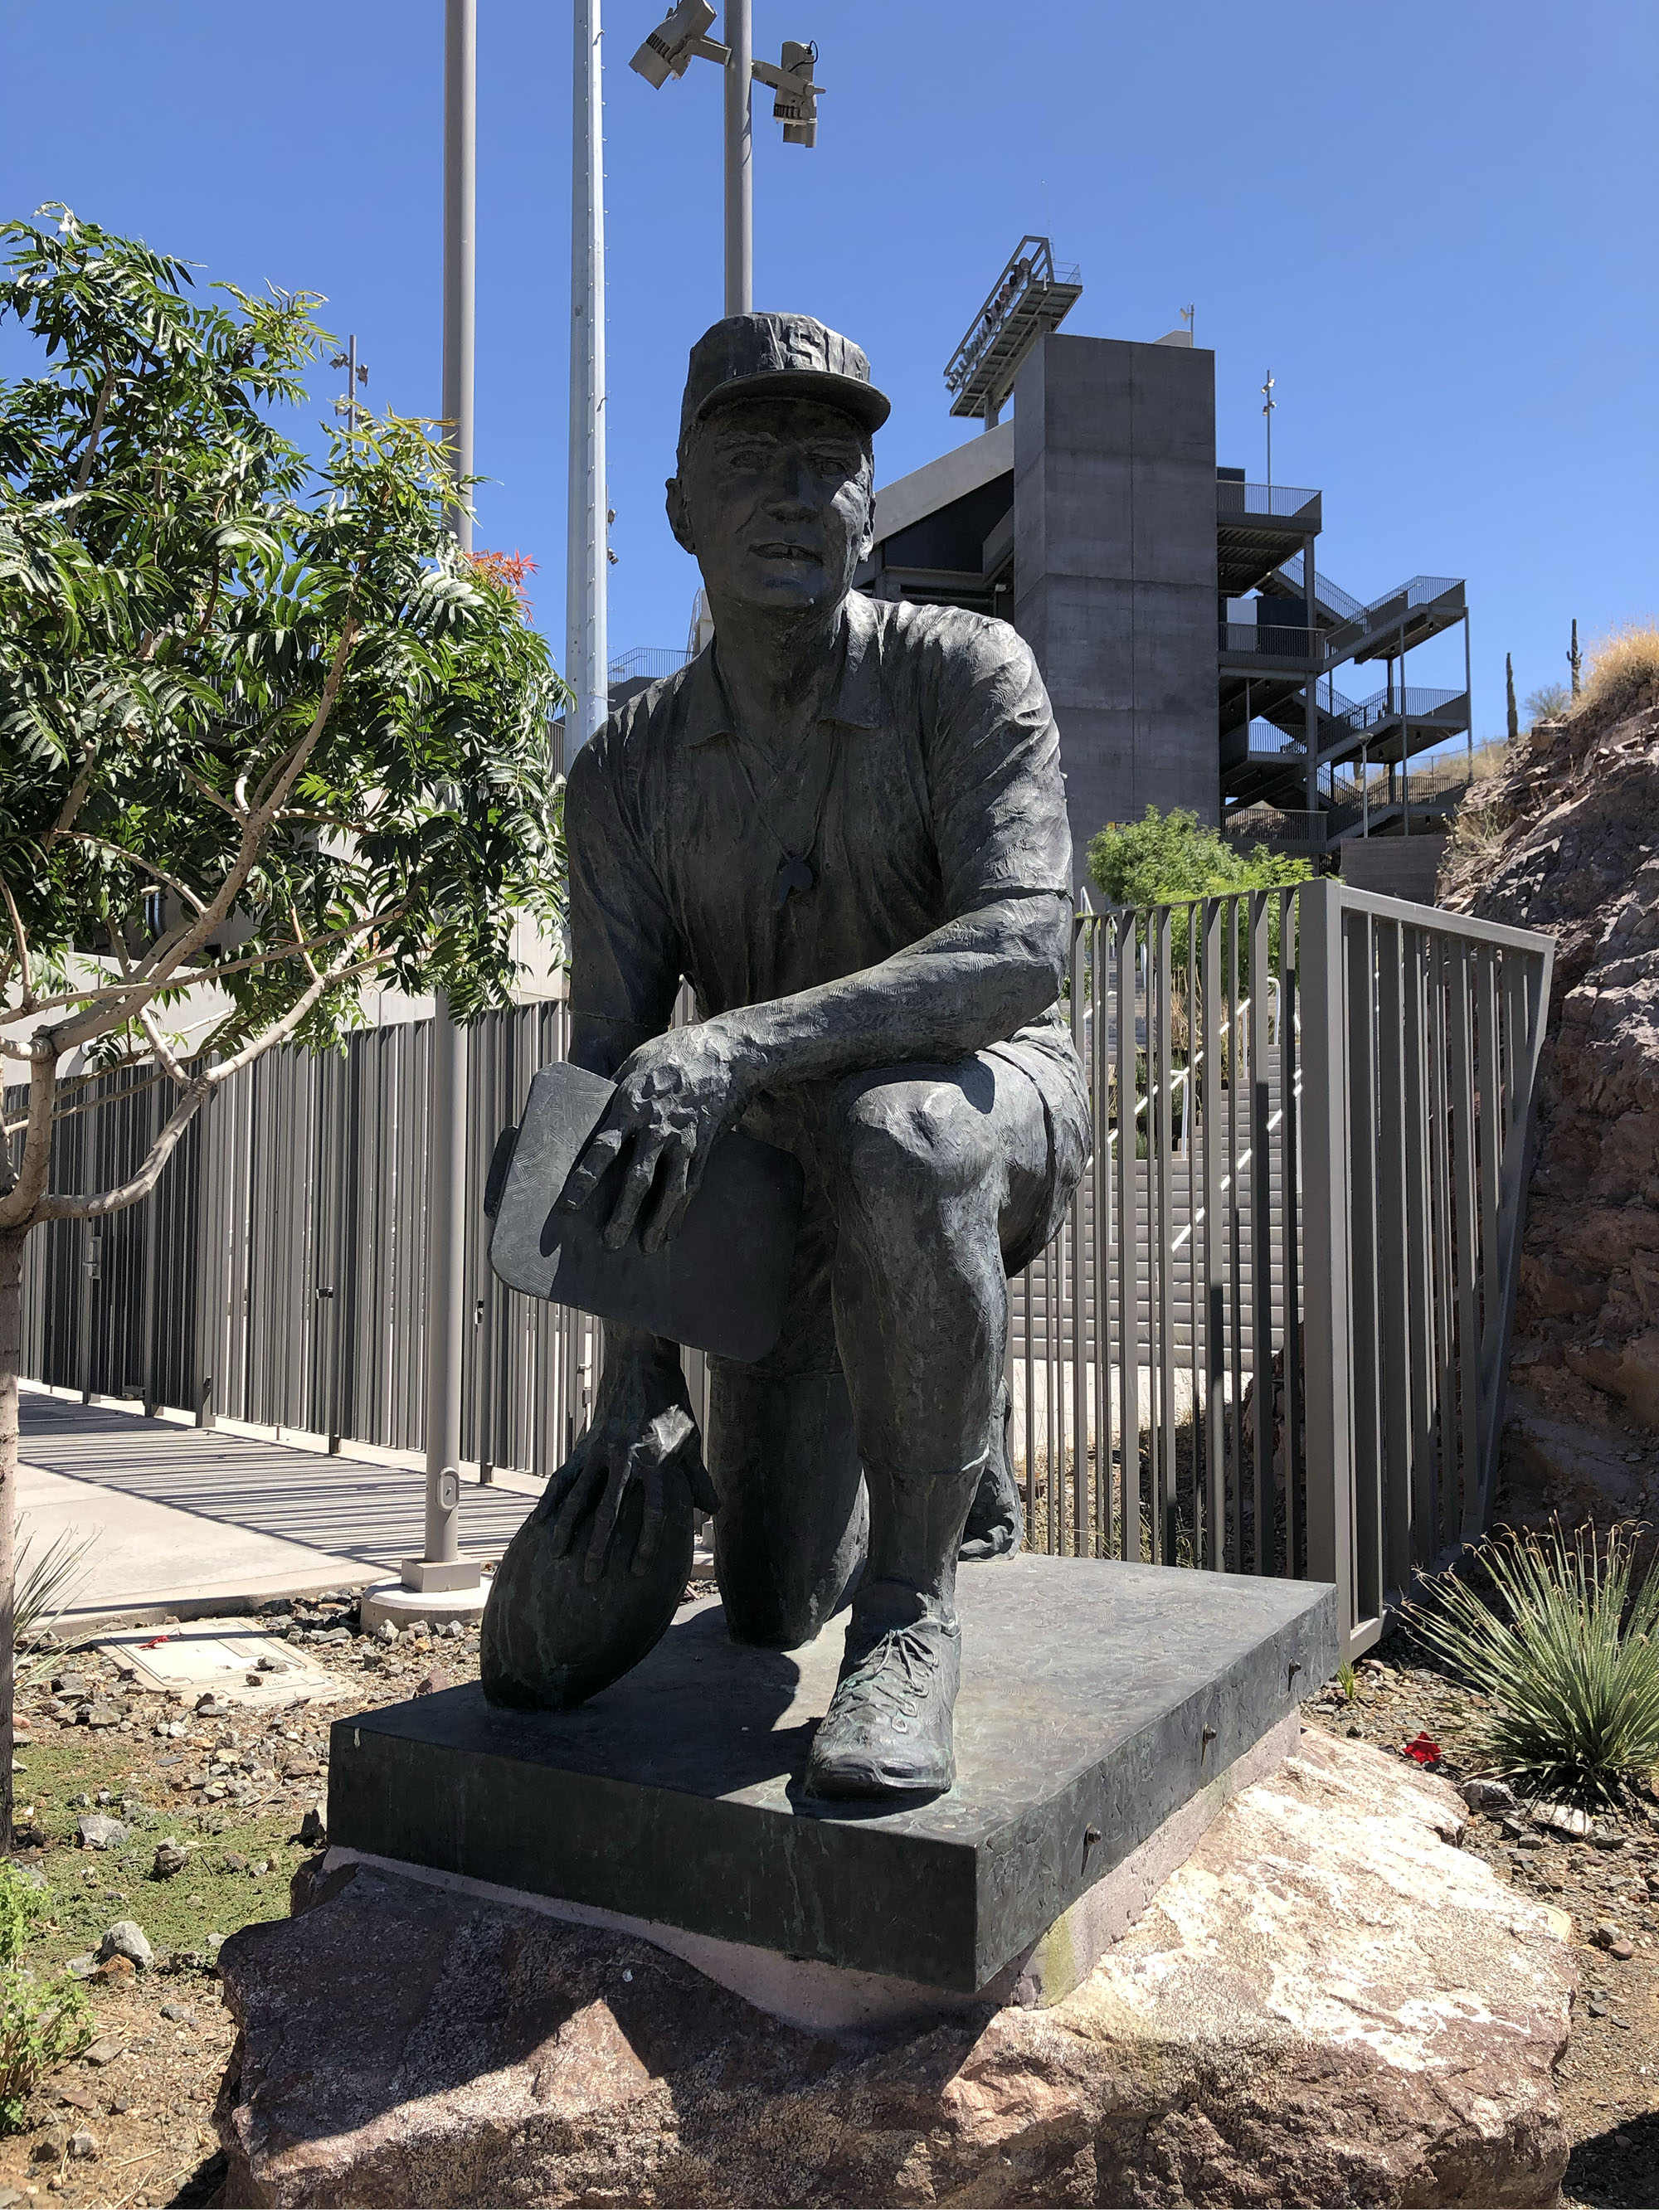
point(195, 1522)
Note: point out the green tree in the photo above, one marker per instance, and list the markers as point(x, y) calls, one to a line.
point(267, 736)
point(1176, 856)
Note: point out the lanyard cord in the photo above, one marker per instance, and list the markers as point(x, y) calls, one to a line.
point(794, 873)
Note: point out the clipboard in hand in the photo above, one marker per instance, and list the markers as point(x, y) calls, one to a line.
point(720, 1283)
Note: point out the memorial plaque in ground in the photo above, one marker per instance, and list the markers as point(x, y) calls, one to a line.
point(1098, 1699)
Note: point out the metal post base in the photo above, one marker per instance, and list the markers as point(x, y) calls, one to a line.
point(408, 1608)
point(440, 1574)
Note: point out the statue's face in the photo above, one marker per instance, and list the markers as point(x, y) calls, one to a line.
point(774, 499)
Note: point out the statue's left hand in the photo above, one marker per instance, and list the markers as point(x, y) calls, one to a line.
point(643, 1428)
point(675, 1096)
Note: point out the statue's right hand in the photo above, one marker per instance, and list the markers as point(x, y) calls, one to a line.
point(644, 1434)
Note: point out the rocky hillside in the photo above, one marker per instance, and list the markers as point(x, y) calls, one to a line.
point(1566, 838)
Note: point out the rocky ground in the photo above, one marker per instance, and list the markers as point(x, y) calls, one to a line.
point(1606, 1878)
point(130, 2123)
point(1566, 838)
point(238, 1793)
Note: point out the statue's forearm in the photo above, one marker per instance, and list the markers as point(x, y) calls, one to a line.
point(967, 985)
point(636, 1362)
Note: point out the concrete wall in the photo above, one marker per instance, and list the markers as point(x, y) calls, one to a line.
point(1397, 867)
point(1114, 569)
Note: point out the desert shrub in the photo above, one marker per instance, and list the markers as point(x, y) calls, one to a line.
point(42, 2022)
point(1549, 699)
point(1548, 1628)
point(1479, 827)
point(1622, 665)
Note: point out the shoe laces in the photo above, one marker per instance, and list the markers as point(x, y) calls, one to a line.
point(898, 1670)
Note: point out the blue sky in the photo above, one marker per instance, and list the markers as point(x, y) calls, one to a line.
point(1434, 222)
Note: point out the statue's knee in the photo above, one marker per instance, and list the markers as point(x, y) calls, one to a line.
point(905, 1144)
point(778, 1614)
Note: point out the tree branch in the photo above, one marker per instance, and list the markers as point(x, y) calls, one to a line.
point(18, 1204)
point(158, 1046)
point(213, 596)
point(67, 1207)
point(259, 820)
point(293, 920)
point(290, 1021)
point(108, 844)
point(73, 799)
point(21, 940)
point(200, 783)
point(144, 987)
point(61, 1113)
point(85, 469)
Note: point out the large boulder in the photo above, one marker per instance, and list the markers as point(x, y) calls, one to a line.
point(1564, 839)
point(1329, 2004)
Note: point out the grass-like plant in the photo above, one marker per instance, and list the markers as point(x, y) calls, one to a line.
point(42, 2022)
point(1622, 664)
point(1479, 827)
point(1548, 1627)
point(47, 1583)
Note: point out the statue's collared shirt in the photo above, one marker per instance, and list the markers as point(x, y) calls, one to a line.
point(929, 788)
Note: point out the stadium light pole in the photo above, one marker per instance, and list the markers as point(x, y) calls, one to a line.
point(739, 159)
point(442, 1568)
point(586, 553)
point(682, 37)
point(1268, 403)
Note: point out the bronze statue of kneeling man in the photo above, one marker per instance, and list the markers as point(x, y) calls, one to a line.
point(844, 823)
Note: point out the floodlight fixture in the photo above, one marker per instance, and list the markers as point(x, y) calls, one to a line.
point(796, 106)
point(671, 47)
point(356, 373)
point(681, 38)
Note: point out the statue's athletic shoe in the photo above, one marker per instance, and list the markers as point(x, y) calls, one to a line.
point(888, 1732)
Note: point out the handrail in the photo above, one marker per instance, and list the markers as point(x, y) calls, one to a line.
point(653, 660)
point(1234, 498)
point(1273, 642)
point(1440, 922)
point(1416, 592)
point(1422, 590)
point(1412, 700)
point(1325, 592)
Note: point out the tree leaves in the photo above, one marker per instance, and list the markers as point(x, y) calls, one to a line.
point(260, 724)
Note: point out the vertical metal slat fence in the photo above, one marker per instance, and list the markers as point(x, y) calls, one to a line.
point(1268, 1337)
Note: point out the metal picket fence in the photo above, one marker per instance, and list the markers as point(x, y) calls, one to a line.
point(1267, 1338)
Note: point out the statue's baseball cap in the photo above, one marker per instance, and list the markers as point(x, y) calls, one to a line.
point(778, 356)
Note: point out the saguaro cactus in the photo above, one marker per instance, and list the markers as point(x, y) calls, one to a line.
point(1576, 660)
point(1513, 719)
